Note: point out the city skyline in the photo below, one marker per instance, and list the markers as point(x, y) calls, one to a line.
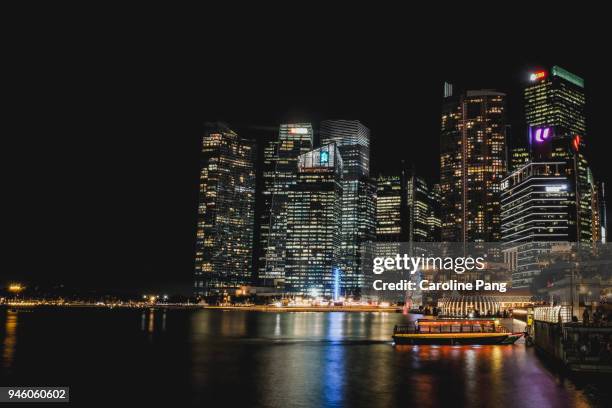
point(385, 159)
point(278, 214)
point(319, 216)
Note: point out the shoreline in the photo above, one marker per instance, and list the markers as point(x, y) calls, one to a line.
point(262, 308)
point(304, 309)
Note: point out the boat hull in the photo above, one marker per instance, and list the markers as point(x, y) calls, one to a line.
point(457, 339)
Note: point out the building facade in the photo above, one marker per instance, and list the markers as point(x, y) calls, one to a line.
point(314, 216)
point(280, 173)
point(224, 235)
point(422, 203)
point(555, 115)
point(358, 226)
point(434, 221)
point(407, 209)
point(538, 212)
point(553, 200)
point(391, 211)
point(556, 98)
point(472, 165)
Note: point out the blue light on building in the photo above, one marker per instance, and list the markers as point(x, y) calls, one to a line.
point(336, 283)
point(324, 157)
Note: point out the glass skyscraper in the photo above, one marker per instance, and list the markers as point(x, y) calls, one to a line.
point(538, 210)
point(556, 98)
point(553, 197)
point(423, 217)
point(279, 174)
point(472, 165)
point(555, 103)
point(353, 140)
point(358, 206)
point(407, 210)
point(391, 226)
point(224, 237)
point(314, 216)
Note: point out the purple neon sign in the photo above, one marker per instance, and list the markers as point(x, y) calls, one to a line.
point(541, 135)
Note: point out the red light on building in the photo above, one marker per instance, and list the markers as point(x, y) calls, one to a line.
point(537, 75)
point(576, 142)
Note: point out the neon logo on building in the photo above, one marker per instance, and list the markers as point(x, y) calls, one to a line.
point(298, 131)
point(542, 134)
point(576, 142)
point(537, 75)
point(324, 158)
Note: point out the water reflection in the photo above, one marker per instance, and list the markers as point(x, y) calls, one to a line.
point(252, 359)
point(151, 326)
point(334, 367)
point(10, 339)
point(346, 359)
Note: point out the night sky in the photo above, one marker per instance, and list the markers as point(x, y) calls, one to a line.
point(103, 157)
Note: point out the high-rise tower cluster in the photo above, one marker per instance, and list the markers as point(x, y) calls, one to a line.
point(552, 196)
point(321, 208)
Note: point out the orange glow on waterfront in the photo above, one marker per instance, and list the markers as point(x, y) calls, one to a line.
point(10, 339)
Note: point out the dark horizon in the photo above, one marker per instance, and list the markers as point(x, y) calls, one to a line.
point(104, 185)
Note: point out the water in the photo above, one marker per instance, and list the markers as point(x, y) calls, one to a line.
point(254, 359)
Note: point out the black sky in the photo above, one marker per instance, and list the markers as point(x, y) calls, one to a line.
point(105, 129)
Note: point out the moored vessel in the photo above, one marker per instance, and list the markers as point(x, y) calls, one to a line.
point(454, 331)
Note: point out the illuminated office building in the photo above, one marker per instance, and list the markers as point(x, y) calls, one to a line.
point(391, 211)
point(538, 211)
point(353, 141)
point(554, 199)
point(519, 157)
point(224, 237)
point(279, 174)
point(557, 99)
point(407, 210)
point(423, 217)
point(599, 217)
point(550, 200)
point(314, 215)
point(555, 103)
point(434, 220)
point(472, 165)
point(358, 199)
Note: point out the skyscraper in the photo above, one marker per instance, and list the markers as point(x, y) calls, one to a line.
point(314, 215)
point(553, 198)
point(472, 165)
point(391, 225)
point(279, 174)
point(224, 237)
point(538, 210)
point(358, 206)
point(600, 222)
point(434, 220)
point(557, 99)
point(422, 214)
point(407, 210)
point(555, 104)
point(353, 140)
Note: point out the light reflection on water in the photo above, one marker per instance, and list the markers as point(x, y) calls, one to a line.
point(346, 359)
point(10, 339)
point(253, 359)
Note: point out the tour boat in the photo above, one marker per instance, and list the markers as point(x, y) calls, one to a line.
point(454, 331)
